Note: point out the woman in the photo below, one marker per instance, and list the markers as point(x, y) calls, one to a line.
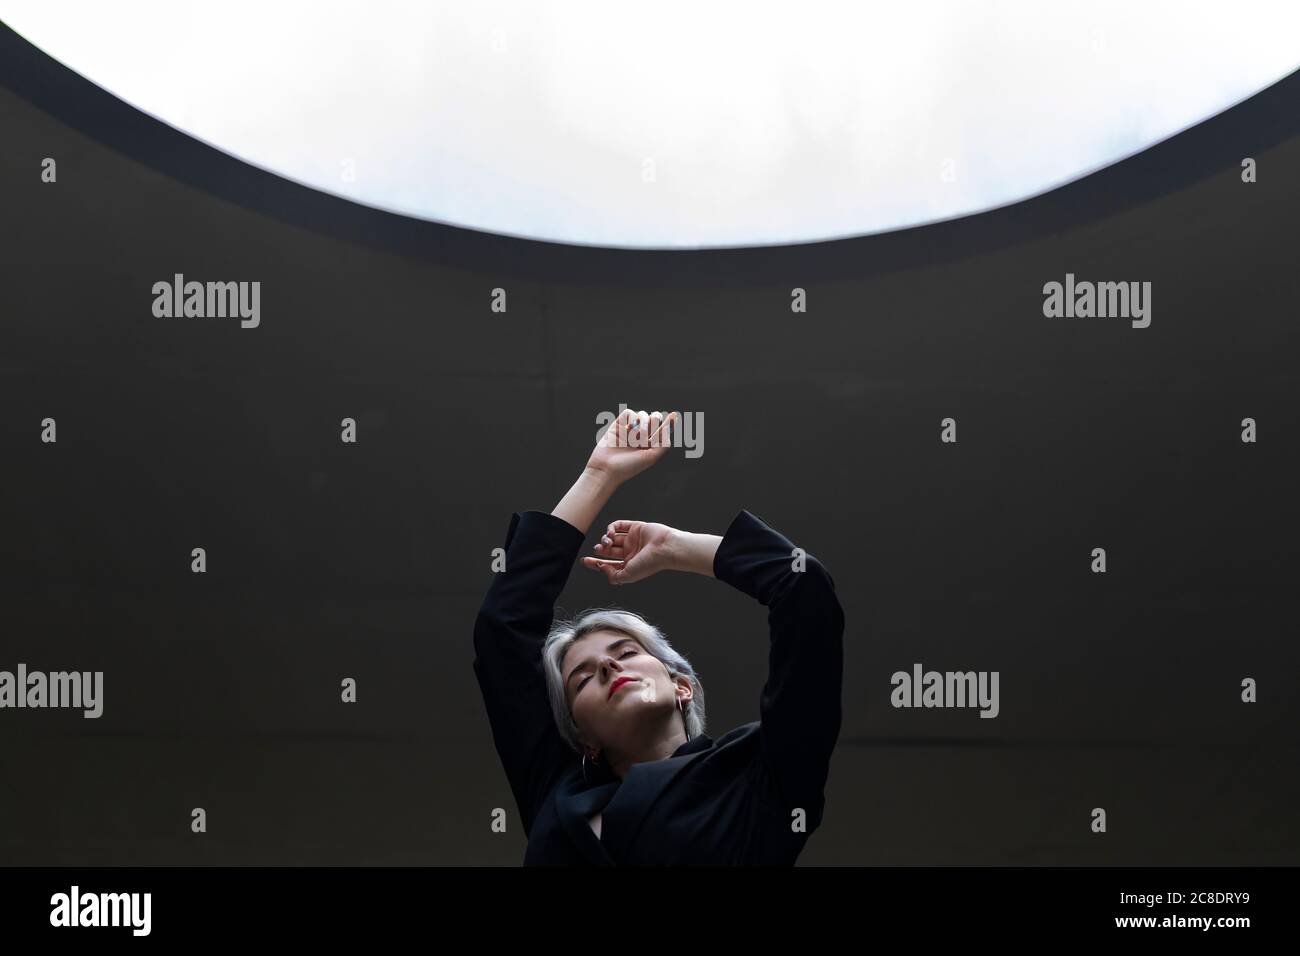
point(599, 723)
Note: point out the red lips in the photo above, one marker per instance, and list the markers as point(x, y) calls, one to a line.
point(619, 683)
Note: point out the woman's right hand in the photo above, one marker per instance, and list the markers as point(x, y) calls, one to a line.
point(633, 442)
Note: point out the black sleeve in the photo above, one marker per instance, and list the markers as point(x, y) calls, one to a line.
point(800, 703)
point(509, 632)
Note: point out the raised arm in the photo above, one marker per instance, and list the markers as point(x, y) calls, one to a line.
point(800, 703)
point(517, 613)
point(508, 635)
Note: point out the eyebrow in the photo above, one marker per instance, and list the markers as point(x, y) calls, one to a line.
point(609, 647)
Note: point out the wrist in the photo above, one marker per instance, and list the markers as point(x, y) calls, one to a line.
point(692, 552)
point(582, 502)
point(675, 550)
point(599, 480)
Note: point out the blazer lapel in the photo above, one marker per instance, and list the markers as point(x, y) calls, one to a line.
point(639, 792)
point(624, 804)
point(574, 807)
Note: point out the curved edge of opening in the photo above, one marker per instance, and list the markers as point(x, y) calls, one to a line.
point(1213, 145)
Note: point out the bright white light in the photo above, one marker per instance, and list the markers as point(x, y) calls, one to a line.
point(675, 123)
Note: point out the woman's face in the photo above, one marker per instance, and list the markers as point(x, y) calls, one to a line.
point(618, 692)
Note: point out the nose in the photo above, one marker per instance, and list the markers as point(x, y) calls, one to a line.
point(611, 670)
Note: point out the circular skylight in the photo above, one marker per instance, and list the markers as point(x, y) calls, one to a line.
point(675, 124)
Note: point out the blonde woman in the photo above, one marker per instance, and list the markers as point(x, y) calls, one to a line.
point(600, 723)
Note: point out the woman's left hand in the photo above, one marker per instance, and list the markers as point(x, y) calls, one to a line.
point(633, 550)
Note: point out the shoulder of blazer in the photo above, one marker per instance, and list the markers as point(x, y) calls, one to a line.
point(738, 734)
point(510, 534)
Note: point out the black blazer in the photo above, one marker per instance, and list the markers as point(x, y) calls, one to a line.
point(732, 800)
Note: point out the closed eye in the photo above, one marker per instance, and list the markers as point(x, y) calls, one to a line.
point(583, 682)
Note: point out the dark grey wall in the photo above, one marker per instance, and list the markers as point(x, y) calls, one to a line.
point(329, 560)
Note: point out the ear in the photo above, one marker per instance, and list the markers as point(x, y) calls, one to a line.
point(684, 690)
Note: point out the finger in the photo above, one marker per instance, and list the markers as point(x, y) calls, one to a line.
point(613, 570)
point(663, 435)
point(614, 436)
point(615, 551)
point(641, 433)
point(654, 423)
point(614, 542)
point(622, 526)
point(628, 421)
point(608, 567)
